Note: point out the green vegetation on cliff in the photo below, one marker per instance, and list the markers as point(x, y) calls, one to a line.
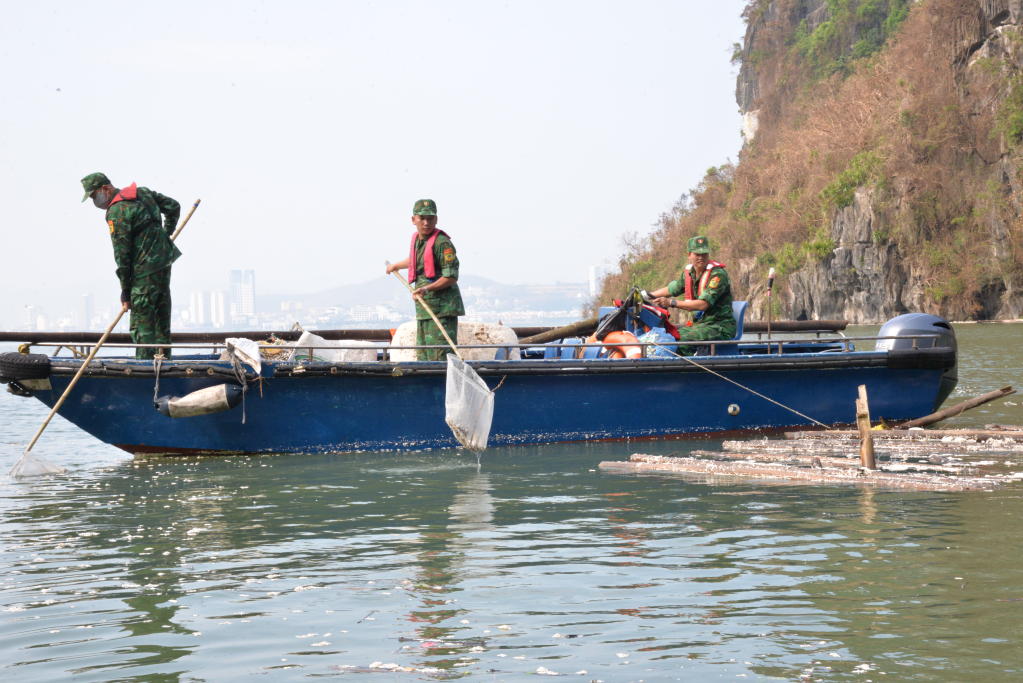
point(882, 107)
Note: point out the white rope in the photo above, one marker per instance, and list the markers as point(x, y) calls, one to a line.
point(716, 374)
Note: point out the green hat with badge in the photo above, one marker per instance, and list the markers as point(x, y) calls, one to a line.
point(425, 207)
point(93, 182)
point(698, 245)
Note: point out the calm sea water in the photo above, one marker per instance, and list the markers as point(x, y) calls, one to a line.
point(294, 568)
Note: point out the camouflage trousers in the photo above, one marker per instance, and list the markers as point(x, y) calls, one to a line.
point(428, 334)
point(698, 333)
point(151, 312)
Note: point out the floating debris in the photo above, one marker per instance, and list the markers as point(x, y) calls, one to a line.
point(826, 475)
point(379, 667)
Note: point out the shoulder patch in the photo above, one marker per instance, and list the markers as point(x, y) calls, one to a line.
point(111, 224)
point(714, 282)
point(449, 255)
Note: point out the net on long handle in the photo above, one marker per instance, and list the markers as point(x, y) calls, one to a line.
point(469, 405)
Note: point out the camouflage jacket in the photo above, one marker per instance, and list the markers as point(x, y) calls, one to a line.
point(718, 295)
point(446, 302)
point(142, 243)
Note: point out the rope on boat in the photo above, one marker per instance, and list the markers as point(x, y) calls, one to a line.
point(717, 374)
point(239, 373)
point(156, 389)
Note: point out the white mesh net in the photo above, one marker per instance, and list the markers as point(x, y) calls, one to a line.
point(469, 405)
point(31, 465)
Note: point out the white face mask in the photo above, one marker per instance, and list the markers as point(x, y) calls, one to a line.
point(101, 200)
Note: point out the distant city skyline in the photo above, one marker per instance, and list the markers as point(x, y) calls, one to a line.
point(486, 301)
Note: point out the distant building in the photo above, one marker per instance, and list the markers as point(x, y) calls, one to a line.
point(199, 310)
point(596, 275)
point(243, 292)
point(83, 314)
point(218, 300)
point(30, 316)
point(291, 305)
point(363, 313)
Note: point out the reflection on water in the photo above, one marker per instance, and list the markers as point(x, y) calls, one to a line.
point(217, 569)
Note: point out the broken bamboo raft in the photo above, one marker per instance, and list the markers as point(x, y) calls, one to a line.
point(639, 463)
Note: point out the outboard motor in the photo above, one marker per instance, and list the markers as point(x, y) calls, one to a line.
point(923, 323)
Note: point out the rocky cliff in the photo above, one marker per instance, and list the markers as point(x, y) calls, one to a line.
point(881, 172)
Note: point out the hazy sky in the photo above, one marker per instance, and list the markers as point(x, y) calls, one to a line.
point(543, 130)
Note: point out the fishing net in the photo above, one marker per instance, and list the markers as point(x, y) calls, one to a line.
point(469, 405)
point(32, 465)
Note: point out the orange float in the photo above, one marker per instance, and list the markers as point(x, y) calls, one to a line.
point(616, 343)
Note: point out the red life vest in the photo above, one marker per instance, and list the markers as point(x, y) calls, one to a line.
point(711, 265)
point(429, 269)
point(129, 193)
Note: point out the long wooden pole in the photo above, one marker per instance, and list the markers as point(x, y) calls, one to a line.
point(959, 408)
point(95, 350)
point(428, 310)
point(185, 222)
point(575, 329)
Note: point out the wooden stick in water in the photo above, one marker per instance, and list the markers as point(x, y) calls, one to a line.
point(958, 408)
point(863, 424)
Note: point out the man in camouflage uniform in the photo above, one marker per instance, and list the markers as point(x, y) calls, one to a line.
point(434, 274)
point(143, 252)
point(708, 298)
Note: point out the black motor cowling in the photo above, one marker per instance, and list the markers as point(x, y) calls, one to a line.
point(913, 324)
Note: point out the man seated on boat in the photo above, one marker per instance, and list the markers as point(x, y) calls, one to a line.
point(708, 298)
point(144, 252)
point(433, 270)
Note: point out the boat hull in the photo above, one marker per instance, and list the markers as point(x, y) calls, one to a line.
point(321, 407)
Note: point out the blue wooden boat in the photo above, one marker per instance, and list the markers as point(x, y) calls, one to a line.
point(308, 406)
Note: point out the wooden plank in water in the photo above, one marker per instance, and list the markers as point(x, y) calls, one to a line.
point(841, 463)
point(909, 434)
point(761, 470)
point(850, 446)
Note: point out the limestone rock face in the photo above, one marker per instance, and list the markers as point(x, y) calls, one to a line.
point(868, 277)
point(863, 280)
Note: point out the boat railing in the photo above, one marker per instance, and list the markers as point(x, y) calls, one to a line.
point(773, 346)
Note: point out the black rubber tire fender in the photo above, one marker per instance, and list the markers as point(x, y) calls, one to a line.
point(15, 366)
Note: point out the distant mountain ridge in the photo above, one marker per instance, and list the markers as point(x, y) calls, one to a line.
point(387, 290)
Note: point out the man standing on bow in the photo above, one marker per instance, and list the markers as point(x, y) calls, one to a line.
point(143, 252)
point(433, 271)
point(708, 299)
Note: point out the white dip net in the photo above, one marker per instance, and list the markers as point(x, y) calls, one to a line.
point(32, 465)
point(469, 405)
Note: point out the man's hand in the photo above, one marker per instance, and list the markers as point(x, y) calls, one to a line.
point(663, 302)
point(391, 268)
point(125, 306)
point(421, 292)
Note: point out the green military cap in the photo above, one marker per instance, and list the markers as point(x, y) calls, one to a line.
point(698, 245)
point(425, 207)
point(93, 182)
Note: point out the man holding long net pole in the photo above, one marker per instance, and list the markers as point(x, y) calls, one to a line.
point(433, 272)
point(141, 224)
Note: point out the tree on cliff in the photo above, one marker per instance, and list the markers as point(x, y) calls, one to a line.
point(881, 172)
